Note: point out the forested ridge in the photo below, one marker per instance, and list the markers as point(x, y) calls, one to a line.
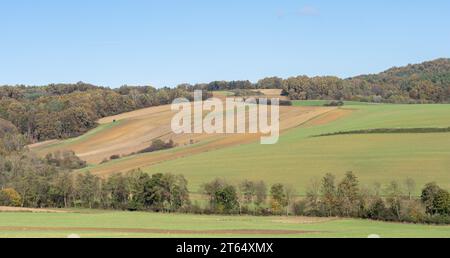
point(428, 82)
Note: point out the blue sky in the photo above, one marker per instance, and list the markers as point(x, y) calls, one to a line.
point(167, 42)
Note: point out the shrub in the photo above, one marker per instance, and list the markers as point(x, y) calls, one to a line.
point(10, 197)
point(65, 160)
point(279, 200)
point(280, 102)
point(193, 208)
point(436, 200)
point(299, 208)
point(113, 157)
point(441, 203)
point(438, 220)
point(285, 103)
point(158, 145)
point(335, 103)
point(377, 210)
point(223, 197)
point(261, 211)
point(413, 211)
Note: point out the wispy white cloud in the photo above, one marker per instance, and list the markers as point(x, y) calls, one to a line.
point(302, 12)
point(308, 11)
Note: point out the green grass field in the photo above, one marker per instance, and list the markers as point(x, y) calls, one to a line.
point(298, 157)
point(93, 224)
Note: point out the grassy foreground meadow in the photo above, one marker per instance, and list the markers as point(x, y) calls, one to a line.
point(100, 224)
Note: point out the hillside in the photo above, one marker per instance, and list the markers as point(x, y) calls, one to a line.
point(299, 158)
point(135, 131)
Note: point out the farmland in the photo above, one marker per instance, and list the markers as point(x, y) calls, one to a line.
point(131, 132)
point(224, 119)
point(297, 158)
point(92, 223)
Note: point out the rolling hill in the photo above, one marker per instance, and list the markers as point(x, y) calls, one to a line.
point(132, 132)
point(295, 160)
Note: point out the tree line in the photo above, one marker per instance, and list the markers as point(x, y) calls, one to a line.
point(29, 181)
point(328, 198)
point(393, 202)
point(428, 82)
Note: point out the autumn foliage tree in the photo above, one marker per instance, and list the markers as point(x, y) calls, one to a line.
point(10, 197)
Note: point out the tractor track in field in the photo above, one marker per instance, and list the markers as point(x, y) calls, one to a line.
point(162, 231)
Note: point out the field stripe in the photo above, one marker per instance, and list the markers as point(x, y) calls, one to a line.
point(164, 231)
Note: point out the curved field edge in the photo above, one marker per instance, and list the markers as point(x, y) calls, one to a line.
point(127, 224)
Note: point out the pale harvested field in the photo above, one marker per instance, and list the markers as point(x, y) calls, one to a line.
point(273, 93)
point(135, 131)
point(18, 209)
